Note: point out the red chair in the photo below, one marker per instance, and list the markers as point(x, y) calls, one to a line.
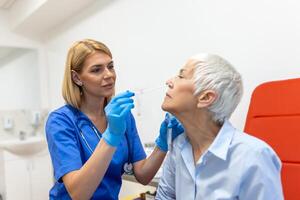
point(274, 116)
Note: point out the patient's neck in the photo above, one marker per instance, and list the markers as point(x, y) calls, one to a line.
point(201, 131)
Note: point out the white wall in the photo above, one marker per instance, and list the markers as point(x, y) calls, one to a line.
point(22, 10)
point(151, 40)
point(19, 82)
point(10, 38)
point(39, 97)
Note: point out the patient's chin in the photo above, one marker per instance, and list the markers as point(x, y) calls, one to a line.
point(164, 107)
point(167, 107)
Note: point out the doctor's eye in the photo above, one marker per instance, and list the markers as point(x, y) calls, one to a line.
point(95, 70)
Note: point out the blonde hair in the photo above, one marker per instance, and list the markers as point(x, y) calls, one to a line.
point(77, 54)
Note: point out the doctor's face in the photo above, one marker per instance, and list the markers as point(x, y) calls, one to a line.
point(180, 94)
point(98, 75)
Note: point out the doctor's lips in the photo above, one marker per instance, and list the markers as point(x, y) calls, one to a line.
point(110, 85)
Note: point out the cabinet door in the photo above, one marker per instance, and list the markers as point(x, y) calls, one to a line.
point(41, 177)
point(17, 179)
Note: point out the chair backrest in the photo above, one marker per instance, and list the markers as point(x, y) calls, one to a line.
point(274, 116)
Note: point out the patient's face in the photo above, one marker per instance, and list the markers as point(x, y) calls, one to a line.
point(180, 94)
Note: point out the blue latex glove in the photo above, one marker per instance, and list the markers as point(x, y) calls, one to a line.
point(116, 112)
point(177, 129)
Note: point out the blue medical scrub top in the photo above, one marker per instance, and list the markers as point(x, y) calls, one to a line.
point(69, 151)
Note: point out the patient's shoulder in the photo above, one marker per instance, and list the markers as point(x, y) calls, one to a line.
point(249, 145)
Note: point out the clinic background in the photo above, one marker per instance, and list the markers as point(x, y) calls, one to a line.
point(150, 40)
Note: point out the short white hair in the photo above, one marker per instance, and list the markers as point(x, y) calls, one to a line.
point(212, 72)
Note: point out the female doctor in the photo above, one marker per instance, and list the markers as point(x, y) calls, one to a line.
point(93, 137)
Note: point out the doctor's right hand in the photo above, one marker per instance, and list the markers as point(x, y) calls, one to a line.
point(116, 112)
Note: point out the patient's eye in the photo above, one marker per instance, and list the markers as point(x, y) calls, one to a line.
point(180, 73)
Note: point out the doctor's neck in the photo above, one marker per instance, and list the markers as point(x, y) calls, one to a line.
point(93, 106)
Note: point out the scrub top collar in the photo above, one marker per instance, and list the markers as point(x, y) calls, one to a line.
point(81, 118)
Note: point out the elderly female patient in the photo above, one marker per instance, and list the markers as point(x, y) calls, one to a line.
point(213, 160)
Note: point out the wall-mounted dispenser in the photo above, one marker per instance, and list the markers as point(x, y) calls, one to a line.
point(35, 118)
point(8, 123)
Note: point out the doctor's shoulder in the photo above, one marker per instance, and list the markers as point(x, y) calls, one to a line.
point(63, 115)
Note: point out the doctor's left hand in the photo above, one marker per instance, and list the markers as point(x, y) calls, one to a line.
point(169, 122)
point(116, 112)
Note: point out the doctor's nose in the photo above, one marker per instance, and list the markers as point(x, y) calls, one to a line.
point(109, 73)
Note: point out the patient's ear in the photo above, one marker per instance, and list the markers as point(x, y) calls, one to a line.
point(76, 78)
point(206, 98)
